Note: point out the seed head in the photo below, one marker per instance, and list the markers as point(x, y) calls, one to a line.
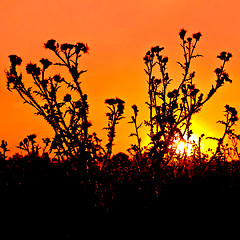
point(182, 33)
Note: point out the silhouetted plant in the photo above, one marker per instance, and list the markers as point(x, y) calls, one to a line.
point(198, 157)
point(4, 148)
point(29, 145)
point(232, 147)
point(136, 148)
point(46, 142)
point(116, 107)
point(67, 117)
point(230, 120)
point(170, 112)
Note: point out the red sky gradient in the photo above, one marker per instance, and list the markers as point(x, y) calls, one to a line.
point(118, 33)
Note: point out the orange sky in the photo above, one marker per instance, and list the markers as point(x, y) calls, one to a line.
point(118, 33)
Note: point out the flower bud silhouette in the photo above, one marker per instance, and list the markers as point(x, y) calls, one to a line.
point(81, 47)
point(15, 60)
point(46, 63)
point(50, 44)
point(135, 109)
point(66, 46)
point(67, 98)
point(197, 36)
point(182, 33)
point(33, 69)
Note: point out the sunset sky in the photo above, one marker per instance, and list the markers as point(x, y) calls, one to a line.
point(119, 33)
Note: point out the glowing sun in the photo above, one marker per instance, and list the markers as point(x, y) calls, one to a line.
point(186, 145)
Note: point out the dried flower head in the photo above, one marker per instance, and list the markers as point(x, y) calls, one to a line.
point(156, 49)
point(50, 44)
point(170, 95)
point(158, 81)
point(57, 78)
point(15, 60)
point(182, 33)
point(33, 69)
point(225, 77)
point(218, 70)
point(4, 145)
point(66, 46)
point(120, 105)
point(110, 101)
point(231, 110)
point(165, 60)
point(135, 109)
point(78, 104)
point(146, 59)
point(234, 119)
point(229, 55)
point(45, 62)
point(119, 101)
point(224, 56)
point(67, 98)
point(81, 47)
point(173, 94)
point(31, 137)
point(197, 36)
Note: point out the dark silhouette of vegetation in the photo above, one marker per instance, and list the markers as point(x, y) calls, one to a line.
point(116, 107)
point(85, 179)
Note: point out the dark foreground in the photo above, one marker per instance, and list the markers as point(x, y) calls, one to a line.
point(41, 199)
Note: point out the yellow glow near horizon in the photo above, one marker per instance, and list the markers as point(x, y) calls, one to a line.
point(181, 146)
point(186, 145)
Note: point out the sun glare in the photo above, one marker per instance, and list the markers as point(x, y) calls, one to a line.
point(186, 145)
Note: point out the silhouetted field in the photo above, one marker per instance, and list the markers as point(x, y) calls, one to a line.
point(55, 198)
point(84, 187)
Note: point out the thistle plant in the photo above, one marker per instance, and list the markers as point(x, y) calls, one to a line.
point(136, 147)
point(29, 145)
point(171, 111)
point(232, 147)
point(46, 142)
point(231, 118)
point(4, 148)
point(116, 107)
point(68, 116)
